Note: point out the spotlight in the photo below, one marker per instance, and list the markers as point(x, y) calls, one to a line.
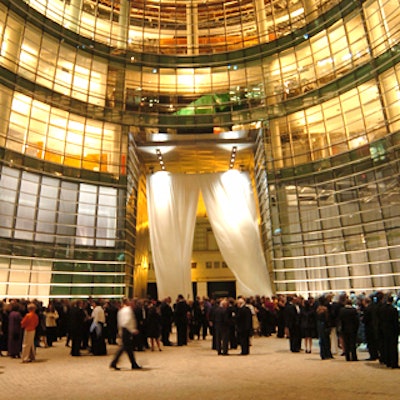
point(233, 157)
point(160, 159)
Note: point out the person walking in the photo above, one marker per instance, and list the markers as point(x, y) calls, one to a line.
point(127, 327)
point(29, 323)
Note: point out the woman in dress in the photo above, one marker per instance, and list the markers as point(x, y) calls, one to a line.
point(3, 328)
point(51, 317)
point(323, 329)
point(15, 331)
point(308, 324)
point(153, 325)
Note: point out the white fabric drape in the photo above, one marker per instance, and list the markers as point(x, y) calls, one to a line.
point(172, 205)
point(231, 210)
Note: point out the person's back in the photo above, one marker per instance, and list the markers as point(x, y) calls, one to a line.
point(349, 323)
point(244, 326)
point(389, 321)
point(221, 316)
point(348, 319)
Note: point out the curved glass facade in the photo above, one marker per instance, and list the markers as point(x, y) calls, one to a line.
point(84, 85)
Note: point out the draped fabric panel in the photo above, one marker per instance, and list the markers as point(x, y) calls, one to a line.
point(231, 210)
point(172, 205)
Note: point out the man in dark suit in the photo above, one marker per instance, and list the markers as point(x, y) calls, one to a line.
point(166, 321)
point(293, 323)
point(349, 323)
point(222, 323)
point(389, 321)
point(76, 326)
point(181, 310)
point(244, 325)
point(371, 323)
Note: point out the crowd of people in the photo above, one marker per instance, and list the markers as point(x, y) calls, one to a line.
point(341, 323)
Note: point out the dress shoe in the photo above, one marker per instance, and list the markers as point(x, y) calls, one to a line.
point(136, 366)
point(114, 367)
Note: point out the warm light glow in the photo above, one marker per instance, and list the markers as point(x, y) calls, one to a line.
point(234, 210)
point(152, 149)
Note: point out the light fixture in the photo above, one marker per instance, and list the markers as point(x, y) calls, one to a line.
point(233, 157)
point(160, 159)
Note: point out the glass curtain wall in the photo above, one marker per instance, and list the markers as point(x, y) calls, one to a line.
point(45, 218)
point(62, 171)
point(181, 27)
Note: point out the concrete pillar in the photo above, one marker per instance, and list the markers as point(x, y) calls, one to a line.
point(119, 93)
point(261, 20)
point(123, 30)
point(13, 37)
point(192, 28)
point(5, 110)
point(276, 144)
point(75, 15)
point(310, 10)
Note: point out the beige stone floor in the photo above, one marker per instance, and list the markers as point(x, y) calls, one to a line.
point(196, 372)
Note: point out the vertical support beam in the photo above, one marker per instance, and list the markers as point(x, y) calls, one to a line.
point(75, 15)
point(5, 111)
point(192, 28)
point(123, 28)
point(261, 20)
point(310, 10)
point(276, 144)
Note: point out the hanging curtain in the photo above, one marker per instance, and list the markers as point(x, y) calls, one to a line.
point(231, 210)
point(172, 204)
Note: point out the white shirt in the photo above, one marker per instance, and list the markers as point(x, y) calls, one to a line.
point(126, 319)
point(98, 315)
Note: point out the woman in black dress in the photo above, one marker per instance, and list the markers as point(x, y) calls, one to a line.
point(323, 328)
point(153, 325)
point(308, 323)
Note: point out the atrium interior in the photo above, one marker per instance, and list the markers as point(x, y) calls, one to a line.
point(98, 97)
